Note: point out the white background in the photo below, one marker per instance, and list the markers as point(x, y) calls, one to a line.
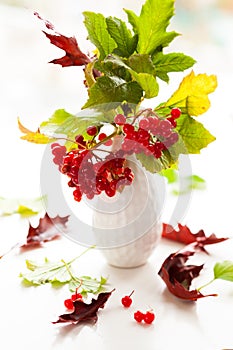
point(32, 89)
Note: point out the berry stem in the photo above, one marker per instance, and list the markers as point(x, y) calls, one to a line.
point(148, 112)
point(131, 293)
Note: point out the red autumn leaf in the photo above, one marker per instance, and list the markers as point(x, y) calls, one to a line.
point(47, 230)
point(178, 276)
point(85, 312)
point(184, 235)
point(74, 56)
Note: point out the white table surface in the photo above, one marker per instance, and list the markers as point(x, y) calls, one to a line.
point(32, 89)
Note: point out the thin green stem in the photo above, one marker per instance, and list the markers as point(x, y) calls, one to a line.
point(68, 269)
point(205, 285)
point(84, 252)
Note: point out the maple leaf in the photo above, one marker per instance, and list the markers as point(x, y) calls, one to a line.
point(178, 276)
point(84, 312)
point(184, 235)
point(47, 230)
point(74, 56)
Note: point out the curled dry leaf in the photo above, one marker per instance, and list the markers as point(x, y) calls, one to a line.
point(184, 235)
point(178, 276)
point(84, 312)
point(47, 230)
point(74, 56)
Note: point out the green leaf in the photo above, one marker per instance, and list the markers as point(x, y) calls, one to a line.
point(193, 134)
point(148, 83)
point(224, 270)
point(69, 125)
point(133, 20)
point(113, 91)
point(172, 62)
point(152, 24)
point(114, 65)
point(170, 174)
point(87, 284)
point(98, 33)
point(57, 119)
point(126, 43)
point(60, 273)
point(48, 272)
point(22, 206)
point(150, 163)
point(196, 182)
point(141, 64)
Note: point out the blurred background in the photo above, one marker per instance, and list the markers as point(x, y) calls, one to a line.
point(32, 89)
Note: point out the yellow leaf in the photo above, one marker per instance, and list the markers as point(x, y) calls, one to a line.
point(35, 137)
point(192, 93)
point(22, 128)
point(88, 71)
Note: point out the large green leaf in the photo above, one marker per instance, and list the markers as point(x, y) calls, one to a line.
point(150, 163)
point(69, 125)
point(140, 68)
point(133, 19)
point(193, 134)
point(152, 24)
point(114, 65)
point(111, 91)
point(126, 43)
point(60, 273)
point(58, 118)
point(141, 64)
point(172, 62)
point(98, 33)
point(148, 83)
point(224, 270)
point(48, 272)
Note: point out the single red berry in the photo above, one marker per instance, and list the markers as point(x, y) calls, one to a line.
point(138, 316)
point(144, 123)
point(69, 304)
point(108, 143)
point(175, 113)
point(149, 317)
point(92, 130)
point(127, 300)
point(128, 129)
point(120, 119)
point(102, 136)
point(76, 296)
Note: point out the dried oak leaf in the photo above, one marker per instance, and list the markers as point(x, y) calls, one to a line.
point(74, 56)
point(184, 235)
point(47, 230)
point(178, 276)
point(85, 312)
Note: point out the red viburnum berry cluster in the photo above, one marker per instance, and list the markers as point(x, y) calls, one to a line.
point(91, 177)
point(91, 174)
point(151, 135)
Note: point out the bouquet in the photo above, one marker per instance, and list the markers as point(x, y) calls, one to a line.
point(129, 61)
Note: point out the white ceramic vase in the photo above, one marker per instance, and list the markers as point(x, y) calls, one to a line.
point(128, 226)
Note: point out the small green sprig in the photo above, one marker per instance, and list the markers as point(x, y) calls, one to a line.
point(61, 273)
